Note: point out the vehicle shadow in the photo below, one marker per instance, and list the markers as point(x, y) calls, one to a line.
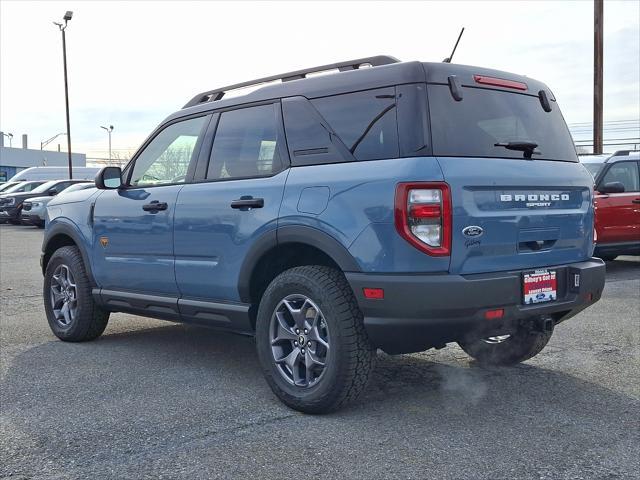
point(623, 268)
point(180, 387)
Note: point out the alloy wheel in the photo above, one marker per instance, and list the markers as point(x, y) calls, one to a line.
point(63, 295)
point(300, 340)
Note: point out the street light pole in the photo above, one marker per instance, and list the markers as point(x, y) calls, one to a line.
point(66, 18)
point(10, 137)
point(44, 143)
point(109, 130)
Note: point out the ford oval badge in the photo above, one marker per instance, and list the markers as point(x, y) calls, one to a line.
point(472, 231)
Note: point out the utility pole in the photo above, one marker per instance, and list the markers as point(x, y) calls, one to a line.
point(66, 18)
point(597, 75)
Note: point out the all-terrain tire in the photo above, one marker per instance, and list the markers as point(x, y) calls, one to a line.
point(350, 358)
point(89, 320)
point(520, 346)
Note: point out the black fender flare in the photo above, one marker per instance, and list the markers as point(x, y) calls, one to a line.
point(65, 229)
point(292, 234)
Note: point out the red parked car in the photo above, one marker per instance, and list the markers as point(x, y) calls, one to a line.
point(617, 203)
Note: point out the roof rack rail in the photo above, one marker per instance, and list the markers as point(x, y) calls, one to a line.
point(620, 153)
point(218, 93)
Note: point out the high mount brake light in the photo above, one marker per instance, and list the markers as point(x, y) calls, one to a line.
point(500, 82)
point(423, 216)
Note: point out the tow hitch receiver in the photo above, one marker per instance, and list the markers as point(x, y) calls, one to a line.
point(544, 324)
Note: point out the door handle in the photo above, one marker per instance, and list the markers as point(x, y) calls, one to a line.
point(247, 202)
point(155, 206)
point(637, 200)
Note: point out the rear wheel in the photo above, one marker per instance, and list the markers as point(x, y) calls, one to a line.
point(72, 314)
point(311, 341)
point(517, 347)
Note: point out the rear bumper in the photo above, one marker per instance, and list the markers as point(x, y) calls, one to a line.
point(421, 311)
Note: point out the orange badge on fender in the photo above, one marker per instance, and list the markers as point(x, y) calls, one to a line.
point(104, 241)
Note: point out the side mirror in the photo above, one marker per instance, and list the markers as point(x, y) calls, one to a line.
point(52, 191)
point(612, 187)
point(109, 178)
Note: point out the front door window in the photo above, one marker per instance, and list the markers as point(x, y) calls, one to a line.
point(166, 159)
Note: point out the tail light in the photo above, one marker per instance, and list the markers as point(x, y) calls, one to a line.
point(423, 216)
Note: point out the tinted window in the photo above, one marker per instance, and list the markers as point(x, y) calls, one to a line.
point(246, 144)
point(44, 187)
point(308, 136)
point(624, 172)
point(7, 186)
point(62, 185)
point(594, 168)
point(365, 122)
point(471, 127)
point(166, 159)
point(23, 187)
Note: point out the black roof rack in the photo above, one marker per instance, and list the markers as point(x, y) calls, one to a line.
point(218, 93)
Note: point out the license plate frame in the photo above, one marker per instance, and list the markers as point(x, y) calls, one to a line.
point(539, 286)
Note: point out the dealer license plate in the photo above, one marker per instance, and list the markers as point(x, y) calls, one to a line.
point(540, 286)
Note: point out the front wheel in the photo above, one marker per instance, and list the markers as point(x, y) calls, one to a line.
point(517, 347)
point(72, 313)
point(311, 341)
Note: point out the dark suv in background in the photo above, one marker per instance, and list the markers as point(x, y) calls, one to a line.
point(401, 206)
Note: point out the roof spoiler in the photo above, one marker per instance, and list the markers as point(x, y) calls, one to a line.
point(218, 93)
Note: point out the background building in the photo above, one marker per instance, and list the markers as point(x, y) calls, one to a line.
point(13, 159)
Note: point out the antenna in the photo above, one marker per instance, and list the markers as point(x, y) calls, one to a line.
point(448, 59)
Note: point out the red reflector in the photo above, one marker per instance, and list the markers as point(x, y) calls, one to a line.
point(493, 314)
point(589, 297)
point(373, 293)
point(425, 211)
point(499, 82)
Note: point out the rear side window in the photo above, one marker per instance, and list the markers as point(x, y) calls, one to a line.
point(624, 172)
point(472, 127)
point(246, 144)
point(365, 122)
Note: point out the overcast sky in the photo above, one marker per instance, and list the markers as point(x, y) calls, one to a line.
point(133, 63)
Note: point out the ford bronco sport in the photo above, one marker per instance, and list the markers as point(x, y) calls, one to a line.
point(401, 206)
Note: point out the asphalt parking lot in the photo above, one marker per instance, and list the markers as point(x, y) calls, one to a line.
point(153, 399)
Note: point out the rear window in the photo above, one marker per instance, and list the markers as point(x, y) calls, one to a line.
point(471, 127)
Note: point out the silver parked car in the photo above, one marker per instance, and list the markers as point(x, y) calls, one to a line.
point(34, 209)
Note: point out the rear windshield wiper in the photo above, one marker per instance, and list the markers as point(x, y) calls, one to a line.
point(526, 147)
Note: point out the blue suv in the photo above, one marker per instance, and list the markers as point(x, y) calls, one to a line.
point(392, 205)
